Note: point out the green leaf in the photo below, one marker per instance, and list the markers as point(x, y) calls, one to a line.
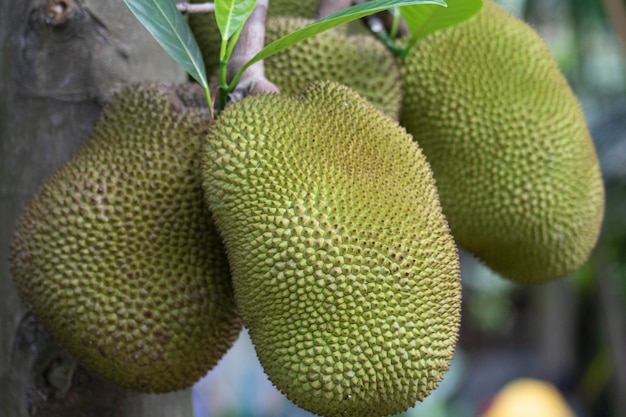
point(329, 22)
point(168, 27)
point(232, 14)
point(427, 19)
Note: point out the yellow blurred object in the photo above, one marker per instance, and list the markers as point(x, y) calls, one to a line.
point(529, 398)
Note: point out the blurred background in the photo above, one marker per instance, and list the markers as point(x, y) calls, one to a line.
point(570, 333)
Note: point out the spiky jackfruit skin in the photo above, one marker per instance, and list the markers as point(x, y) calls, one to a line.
point(207, 34)
point(506, 138)
point(359, 62)
point(343, 266)
point(117, 254)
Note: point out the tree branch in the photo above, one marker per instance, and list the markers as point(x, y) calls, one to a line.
point(251, 41)
point(387, 19)
point(328, 7)
point(383, 21)
point(189, 8)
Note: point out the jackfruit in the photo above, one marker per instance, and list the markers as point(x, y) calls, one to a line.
point(343, 266)
point(516, 170)
point(359, 61)
point(205, 30)
point(117, 254)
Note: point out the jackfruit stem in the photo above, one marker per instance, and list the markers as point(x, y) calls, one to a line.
point(251, 41)
point(395, 22)
point(389, 43)
point(387, 26)
point(209, 101)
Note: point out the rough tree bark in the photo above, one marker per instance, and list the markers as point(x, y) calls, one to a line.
point(59, 60)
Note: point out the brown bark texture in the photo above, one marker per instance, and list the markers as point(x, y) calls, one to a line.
point(59, 61)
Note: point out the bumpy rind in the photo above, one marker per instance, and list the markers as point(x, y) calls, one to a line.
point(516, 170)
point(117, 254)
point(343, 265)
point(359, 61)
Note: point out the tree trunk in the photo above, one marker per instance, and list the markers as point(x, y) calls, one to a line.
point(59, 61)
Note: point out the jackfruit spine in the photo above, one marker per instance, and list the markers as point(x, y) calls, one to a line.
point(343, 265)
point(117, 255)
point(516, 169)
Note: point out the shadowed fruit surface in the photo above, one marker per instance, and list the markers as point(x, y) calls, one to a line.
point(117, 255)
point(358, 61)
point(343, 266)
point(516, 170)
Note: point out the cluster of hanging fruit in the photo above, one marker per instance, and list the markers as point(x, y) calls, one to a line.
point(324, 218)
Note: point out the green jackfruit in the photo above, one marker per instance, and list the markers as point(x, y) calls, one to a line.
point(207, 34)
point(343, 265)
point(516, 170)
point(359, 62)
point(117, 254)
